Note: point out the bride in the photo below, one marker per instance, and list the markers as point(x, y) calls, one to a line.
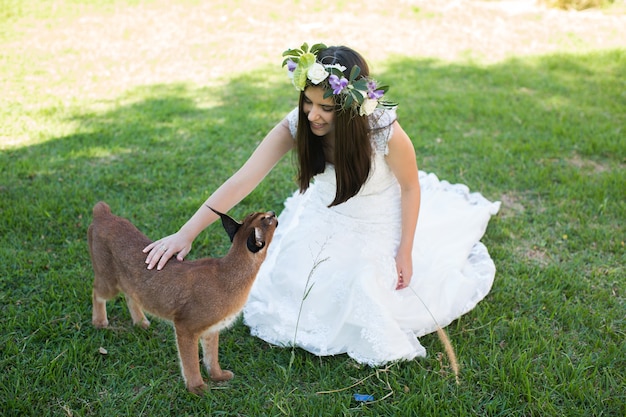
point(351, 269)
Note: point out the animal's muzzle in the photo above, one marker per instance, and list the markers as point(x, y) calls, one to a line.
point(271, 216)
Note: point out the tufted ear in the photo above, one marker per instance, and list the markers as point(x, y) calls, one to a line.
point(230, 225)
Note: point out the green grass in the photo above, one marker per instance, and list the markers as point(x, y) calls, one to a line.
point(544, 134)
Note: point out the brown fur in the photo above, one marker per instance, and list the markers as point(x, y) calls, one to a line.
point(200, 297)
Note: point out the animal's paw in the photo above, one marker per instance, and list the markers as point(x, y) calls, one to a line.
point(199, 389)
point(141, 321)
point(222, 376)
point(100, 324)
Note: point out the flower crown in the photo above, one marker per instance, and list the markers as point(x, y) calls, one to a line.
point(363, 95)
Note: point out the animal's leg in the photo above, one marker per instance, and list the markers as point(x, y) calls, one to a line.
point(188, 353)
point(104, 288)
point(136, 312)
point(210, 343)
point(99, 312)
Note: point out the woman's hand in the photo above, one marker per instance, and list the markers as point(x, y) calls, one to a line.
point(160, 251)
point(404, 266)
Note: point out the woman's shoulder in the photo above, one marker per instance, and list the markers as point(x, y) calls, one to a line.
point(292, 119)
point(381, 124)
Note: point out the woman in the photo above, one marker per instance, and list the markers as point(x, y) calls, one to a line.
point(350, 270)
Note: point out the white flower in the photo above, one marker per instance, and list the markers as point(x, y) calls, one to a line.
point(317, 73)
point(368, 107)
point(338, 66)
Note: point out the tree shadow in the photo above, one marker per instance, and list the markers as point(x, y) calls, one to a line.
point(162, 143)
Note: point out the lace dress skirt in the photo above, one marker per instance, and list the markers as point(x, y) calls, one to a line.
point(328, 283)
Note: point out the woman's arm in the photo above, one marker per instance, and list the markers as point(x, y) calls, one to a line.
point(401, 160)
point(273, 147)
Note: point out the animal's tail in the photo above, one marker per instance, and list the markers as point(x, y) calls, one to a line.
point(101, 208)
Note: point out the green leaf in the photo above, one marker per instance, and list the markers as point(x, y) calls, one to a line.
point(360, 84)
point(318, 47)
point(387, 104)
point(306, 60)
point(354, 73)
point(335, 71)
point(358, 96)
point(305, 47)
point(299, 77)
point(292, 52)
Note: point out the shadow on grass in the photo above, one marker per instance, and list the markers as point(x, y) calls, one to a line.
point(545, 135)
point(157, 152)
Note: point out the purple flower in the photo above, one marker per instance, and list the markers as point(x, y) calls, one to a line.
point(291, 66)
point(337, 84)
point(372, 92)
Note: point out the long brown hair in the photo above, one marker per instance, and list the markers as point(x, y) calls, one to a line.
point(353, 150)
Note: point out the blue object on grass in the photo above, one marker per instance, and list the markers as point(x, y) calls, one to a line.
point(363, 397)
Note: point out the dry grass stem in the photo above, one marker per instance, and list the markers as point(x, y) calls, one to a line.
point(360, 381)
point(445, 340)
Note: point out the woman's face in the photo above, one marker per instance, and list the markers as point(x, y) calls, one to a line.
point(319, 110)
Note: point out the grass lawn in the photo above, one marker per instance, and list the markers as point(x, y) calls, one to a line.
point(150, 105)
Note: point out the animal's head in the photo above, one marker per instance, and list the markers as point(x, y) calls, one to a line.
point(257, 229)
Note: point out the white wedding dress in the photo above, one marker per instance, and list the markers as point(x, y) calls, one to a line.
point(328, 283)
